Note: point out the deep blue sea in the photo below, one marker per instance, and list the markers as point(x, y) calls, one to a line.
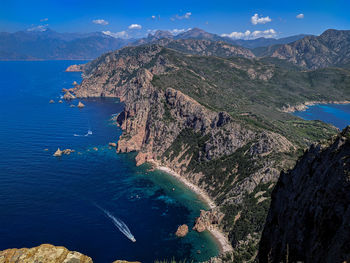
point(45, 199)
point(335, 114)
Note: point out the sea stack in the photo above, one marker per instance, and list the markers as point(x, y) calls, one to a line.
point(80, 105)
point(75, 68)
point(182, 231)
point(68, 95)
point(51, 101)
point(58, 153)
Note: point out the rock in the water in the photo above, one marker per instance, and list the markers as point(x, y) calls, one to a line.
point(74, 83)
point(95, 149)
point(51, 101)
point(68, 96)
point(72, 105)
point(75, 68)
point(60, 101)
point(58, 153)
point(44, 253)
point(112, 144)
point(124, 261)
point(182, 231)
point(80, 105)
point(68, 151)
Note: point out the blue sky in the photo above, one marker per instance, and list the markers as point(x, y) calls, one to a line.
point(237, 19)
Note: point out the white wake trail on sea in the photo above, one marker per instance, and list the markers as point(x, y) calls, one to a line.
point(119, 224)
point(83, 135)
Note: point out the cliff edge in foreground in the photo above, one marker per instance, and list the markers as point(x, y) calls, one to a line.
point(309, 215)
point(43, 253)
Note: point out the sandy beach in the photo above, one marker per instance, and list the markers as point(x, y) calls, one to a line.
point(223, 242)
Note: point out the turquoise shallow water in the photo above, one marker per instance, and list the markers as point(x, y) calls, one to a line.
point(44, 199)
point(335, 114)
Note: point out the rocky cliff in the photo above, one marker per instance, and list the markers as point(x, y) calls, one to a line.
point(331, 48)
point(175, 115)
point(44, 254)
point(309, 215)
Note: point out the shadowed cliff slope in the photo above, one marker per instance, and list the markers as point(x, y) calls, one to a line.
point(309, 215)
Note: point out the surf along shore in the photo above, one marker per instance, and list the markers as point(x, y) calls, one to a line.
point(220, 238)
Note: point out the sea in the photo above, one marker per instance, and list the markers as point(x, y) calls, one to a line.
point(94, 200)
point(336, 114)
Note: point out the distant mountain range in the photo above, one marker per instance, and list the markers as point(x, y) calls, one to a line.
point(48, 44)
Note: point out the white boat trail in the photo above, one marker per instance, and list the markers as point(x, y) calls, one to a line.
point(83, 135)
point(119, 224)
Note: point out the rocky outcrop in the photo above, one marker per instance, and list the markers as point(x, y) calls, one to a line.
point(112, 144)
point(60, 152)
point(309, 215)
point(75, 68)
point(182, 231)
point(207, 220)
point(67, 94)
point(80, 105)
point(44, 254)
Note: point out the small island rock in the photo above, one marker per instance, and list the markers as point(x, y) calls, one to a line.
point(80, 105)
point(182, 231)
point(75, 68)
point(68, 96)
point(58, 153)
point(51, 101)
point(112, 144)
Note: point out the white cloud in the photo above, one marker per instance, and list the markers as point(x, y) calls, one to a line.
point(269, 33)
point(44, 20)
point(40, 28)
point(300, 16)
point(185, 16)
point(135, 26)
point(255, 19)
point(176, 31)
point(121, 34)
point(100, 22)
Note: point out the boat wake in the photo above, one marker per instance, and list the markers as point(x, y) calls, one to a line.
point(83, 135)
point(119, 224)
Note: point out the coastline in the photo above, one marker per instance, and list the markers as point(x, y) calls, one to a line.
point(219, 236)
point(304, 106)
